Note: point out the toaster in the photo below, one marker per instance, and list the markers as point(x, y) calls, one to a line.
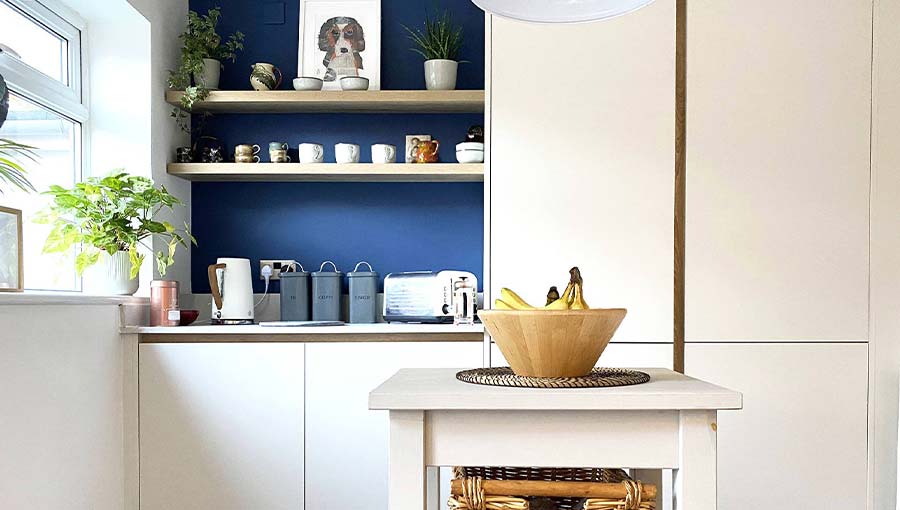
point(421, 296)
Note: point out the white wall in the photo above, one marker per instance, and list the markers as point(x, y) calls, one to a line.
point(62, 421)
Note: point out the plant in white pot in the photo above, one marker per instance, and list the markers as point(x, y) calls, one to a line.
point(440, 43)
point(202, 53)
point(111, 217)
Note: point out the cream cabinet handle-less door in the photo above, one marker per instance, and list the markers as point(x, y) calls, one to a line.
point(581, 172)
point(221, 426)
point(778, 133)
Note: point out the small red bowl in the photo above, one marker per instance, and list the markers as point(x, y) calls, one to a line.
point(188, 317)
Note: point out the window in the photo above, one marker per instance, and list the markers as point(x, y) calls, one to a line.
point(40, 59)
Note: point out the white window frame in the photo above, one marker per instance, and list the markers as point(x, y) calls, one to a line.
point(69, 100)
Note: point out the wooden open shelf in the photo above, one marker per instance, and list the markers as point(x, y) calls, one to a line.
point(328, 172)
point(366, 101)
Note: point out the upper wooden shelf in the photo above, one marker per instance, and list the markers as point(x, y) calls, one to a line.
point(366, 101)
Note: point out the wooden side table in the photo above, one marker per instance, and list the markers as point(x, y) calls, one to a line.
point(667, 423)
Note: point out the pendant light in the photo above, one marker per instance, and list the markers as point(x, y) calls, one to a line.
point(560, 11)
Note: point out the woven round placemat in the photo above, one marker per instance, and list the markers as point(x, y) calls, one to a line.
point(598, 378)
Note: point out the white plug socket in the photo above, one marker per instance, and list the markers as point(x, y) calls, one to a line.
point(276, 265)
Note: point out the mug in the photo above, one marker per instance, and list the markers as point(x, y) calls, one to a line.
point(427, 151)
point(183, 155)
point(245, 149)
point(279, 156)
point(311, 153)
point(346, 153)
point(246, 158)
point(277, 146)
point(384, 153)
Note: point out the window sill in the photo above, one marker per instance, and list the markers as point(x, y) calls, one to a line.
point(37, 298)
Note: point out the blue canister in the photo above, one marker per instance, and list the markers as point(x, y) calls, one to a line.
point(363, 294)
point(294, 295)
point(326, 293)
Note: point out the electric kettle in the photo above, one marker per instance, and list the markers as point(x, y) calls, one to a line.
point(232, 291)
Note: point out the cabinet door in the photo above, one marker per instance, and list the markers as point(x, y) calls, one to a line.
point(800, 441)
point(346, 444)
point(581, 162)
point(221, 426)
point(779, 101)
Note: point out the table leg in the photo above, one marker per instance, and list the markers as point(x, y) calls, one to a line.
point(406, 489)
point(695, 478)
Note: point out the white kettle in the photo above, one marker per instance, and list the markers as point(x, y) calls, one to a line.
point(232, 291)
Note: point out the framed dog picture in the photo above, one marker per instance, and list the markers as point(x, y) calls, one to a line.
point(340, 38)
point(11, 263)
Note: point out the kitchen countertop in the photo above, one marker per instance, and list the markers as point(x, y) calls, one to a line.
point(379, 332)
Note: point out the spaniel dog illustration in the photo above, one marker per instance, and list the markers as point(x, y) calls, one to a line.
point(342, 39)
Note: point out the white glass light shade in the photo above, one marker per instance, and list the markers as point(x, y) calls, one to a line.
point(560, 11)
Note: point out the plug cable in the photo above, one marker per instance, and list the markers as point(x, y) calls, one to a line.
point(266, 273)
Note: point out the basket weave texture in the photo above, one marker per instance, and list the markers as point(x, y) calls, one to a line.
point(474, 498)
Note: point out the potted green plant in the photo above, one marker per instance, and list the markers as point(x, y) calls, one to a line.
point(202, 53)
point(440, 44)
point(111, 218)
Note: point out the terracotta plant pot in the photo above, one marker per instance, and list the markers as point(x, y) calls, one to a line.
point(552, 343)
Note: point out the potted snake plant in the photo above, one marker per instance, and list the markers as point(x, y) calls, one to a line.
point(440, 43)
point(112, 218)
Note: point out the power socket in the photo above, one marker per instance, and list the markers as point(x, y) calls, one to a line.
point(277, 265)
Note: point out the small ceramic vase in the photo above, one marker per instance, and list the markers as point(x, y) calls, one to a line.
point(264, 76)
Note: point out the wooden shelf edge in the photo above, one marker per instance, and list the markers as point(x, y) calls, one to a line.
point(328, 172)
point(368, 101)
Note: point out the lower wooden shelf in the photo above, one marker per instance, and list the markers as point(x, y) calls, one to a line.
point(327, 172)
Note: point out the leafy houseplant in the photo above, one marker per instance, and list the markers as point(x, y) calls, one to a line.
point(201, 54)
point(440, 44)
point(115, 215)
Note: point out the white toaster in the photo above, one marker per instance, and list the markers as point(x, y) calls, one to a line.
point(421, 296)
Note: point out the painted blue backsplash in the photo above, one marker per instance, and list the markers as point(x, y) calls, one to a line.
point(395, 226)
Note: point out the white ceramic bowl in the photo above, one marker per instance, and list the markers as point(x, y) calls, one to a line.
point(307, 83)
point(472, 156)
point(470, 146)
point(354, 83)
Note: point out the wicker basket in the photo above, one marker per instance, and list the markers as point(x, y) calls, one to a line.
point(511, 488)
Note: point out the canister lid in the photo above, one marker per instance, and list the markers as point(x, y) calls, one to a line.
point(321, 273)
point(294, 274)
point(164, 283)
point(359, 274)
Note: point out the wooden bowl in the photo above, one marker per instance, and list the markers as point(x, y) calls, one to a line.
point(552, 343)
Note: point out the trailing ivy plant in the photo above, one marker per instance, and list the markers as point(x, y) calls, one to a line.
point(439, 39)
point(200, 41)
point(113, 214)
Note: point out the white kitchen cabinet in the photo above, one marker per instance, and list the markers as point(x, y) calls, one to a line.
point(800, 441)
point(221, 426)
point(580, 171)
point(346, 444)
point(778, 135)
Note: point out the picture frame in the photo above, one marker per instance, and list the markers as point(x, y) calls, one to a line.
point(340, 38)
point(12, 263)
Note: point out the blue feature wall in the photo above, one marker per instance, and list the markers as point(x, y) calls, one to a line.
point(394, 226)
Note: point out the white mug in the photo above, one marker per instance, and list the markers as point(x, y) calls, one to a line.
point(346, 153)
point(311, 153)
point(384, 153)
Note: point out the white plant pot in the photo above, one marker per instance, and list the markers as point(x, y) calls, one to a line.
point(210, 74)
point(440, 74)
point(110, 276)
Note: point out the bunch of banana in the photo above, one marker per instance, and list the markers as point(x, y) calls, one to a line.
point(571, 299)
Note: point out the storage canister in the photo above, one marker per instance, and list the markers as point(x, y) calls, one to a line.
point(326, 293)
point(363, 288)
point(164, 309)
point(295, 295)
